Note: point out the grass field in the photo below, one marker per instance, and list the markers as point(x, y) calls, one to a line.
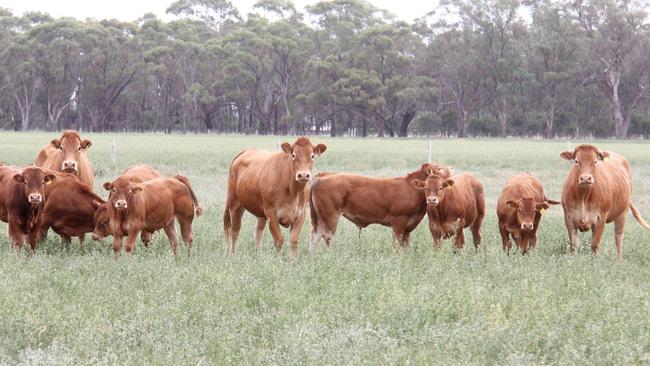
point(356, 304)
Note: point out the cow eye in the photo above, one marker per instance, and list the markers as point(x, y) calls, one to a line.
point(313, 156)
point(519, 210)
point(113, 190)
point(79, 148)
point(576, 162)
point(61, 147)
point(293, 156)
point(595, 161)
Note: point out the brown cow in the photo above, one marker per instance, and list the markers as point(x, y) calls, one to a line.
point(597, 190)
point(135, 174)
point(453, 203)
point(70, 208)
point(393, 202)
point(22, 198)
point(519, 209)
point(68, 155)
point(151, 206)
point(273, 186)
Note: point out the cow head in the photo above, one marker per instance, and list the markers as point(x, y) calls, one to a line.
point(585, 158)
point(33, 180)
point(526, 210)
point(434, 188)
point(102, 223)
point(302, 154)
point(121, 191)
point(71, 147)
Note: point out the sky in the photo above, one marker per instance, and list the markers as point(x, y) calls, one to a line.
point(134, 9)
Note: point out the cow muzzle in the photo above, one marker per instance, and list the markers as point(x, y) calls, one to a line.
point(35, 198)
point(303, 176)
point(586, 179)
point(120, 204)
point(432, 201)
point(527, 226)
point(69, 166)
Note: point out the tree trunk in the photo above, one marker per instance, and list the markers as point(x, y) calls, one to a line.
point(407, 117)
point(333, 126)
point(462, 122)
point(502, 117)
point(380, 127)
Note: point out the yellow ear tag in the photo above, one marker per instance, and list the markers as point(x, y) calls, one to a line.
point(606, 158)
point(542, 211)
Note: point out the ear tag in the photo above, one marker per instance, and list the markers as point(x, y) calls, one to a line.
point(542, 211)
point(605, 159)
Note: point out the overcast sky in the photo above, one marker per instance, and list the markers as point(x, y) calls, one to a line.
point(134, 9)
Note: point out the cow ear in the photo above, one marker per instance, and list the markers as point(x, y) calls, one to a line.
point(136, 189)
point(108, 186)
point(568, 155)
point(49, 178)
point(56, 143)
point(19, 178)
point(448, 183)
point(511, 203)
point(286, 147)
point(96, 204)
point(86, 144)
point(541, 206)
point(429, 171)
point(418, 184)
point(603, 155)
point(320, 149)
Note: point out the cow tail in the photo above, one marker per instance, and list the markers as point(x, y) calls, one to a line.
point(313, 212)
point(227, 223)
point(638, 217)
point(551, 201)
point(197, 208)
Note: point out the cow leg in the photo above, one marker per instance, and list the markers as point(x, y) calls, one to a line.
point(236, 216)
point(619, 225)
point(460, 235)
point(130, 242)
point(523, 242)
point(171, 235)
point(476, 231)
point(259, 232)
point(65, 241)
point(505, 238)
point(16, 237)
point(81, 242)
point(436, 234)
point(117, 245)
point(574, 240)
point(274, 227)
point(406, 239)
point(533, 235)
point(597, 231)
point(146, 238)
point(186, 233)
point(294, 232)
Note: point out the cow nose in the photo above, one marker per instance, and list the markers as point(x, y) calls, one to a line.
point(432, 200)
point(35, 198)
point(70, 165)
point(526, 227)
point(303, 176)
point(120, 204)
point(586, 179)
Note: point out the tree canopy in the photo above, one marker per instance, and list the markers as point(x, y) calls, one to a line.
point(341, 67)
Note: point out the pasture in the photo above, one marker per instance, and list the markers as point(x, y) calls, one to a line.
point(356, 304)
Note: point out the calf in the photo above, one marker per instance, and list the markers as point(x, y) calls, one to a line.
point(393, 202)
point(150, 206)
point(273, 186)
point(519, 209)
point(135, 174)
point(70, 208)
point(453, 203)
point(68, 155)
point(597, 190)
point(22, 198)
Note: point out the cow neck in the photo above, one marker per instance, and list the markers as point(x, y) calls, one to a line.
point(583, 193)
point(295, 187)
point(33, 212)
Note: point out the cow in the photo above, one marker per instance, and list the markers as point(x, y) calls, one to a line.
point(70, 208)
point(519, 209)
point(597, 190)
point(150, 206)
point(392, 202)
point(68, 155)
point(272, 186)
point(453, 203)
point(22, 198)
point(135, 174)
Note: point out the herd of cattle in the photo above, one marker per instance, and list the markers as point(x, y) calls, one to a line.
point(276, 187)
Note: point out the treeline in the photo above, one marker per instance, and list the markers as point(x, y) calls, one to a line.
point(342, 67)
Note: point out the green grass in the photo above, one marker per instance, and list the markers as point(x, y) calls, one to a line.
point(356, 304)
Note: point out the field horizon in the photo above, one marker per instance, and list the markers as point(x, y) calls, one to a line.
point(355, 304)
